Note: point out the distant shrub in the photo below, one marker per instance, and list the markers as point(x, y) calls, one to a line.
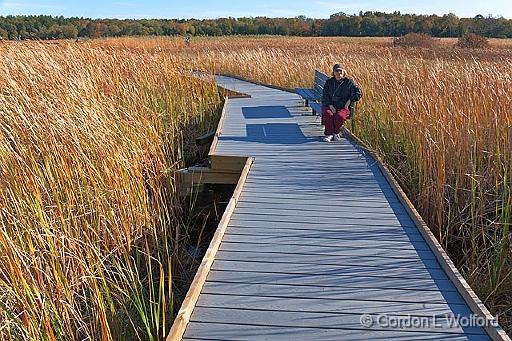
point(414, 40)
point(472, 40)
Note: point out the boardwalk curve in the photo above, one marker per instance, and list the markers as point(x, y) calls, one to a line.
point(316, 244)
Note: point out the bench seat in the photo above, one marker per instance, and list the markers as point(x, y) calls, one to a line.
point(316, 107)
point(313, 94)
point(308, 94)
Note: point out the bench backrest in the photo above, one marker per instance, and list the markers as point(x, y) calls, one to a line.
point(320, 79)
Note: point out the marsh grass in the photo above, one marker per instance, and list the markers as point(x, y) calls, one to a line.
point(92, 238)
point(93, 241)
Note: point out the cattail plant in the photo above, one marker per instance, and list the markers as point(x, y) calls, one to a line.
point(91, 234)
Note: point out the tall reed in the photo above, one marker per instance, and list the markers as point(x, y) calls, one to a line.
point(91, 233)
point(91, 239)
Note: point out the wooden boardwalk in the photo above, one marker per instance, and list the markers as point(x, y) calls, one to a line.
point(317, 238)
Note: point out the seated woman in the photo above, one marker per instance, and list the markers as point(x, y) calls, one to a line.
point(338, 94)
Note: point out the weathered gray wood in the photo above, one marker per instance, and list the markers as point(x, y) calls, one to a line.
point(338, 259)
point(332, 306)
point(328, 250)
point(335, 198)
point(334, 293)
point(323, 320)
point(232, 332)
point(319, 280)
point(335, 242)
point(330, 269)
point(317, 238)
point(363, 222)
point(350, 190)
point(312, 199)
point(324, 211)
point(333, 233)
point(338, 207)
point(243, 221)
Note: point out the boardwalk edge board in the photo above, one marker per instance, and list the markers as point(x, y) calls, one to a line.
point(221, 169)
point(257, 83)
point(183, 316)
point(492, 328)
point(218, 132)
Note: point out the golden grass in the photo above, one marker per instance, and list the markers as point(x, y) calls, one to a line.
point(89, 138)
point(90, 235)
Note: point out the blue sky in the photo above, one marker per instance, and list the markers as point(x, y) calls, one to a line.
point(202, 9)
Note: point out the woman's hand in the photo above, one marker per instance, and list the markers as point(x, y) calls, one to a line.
point(347, 104)
point(333, 110)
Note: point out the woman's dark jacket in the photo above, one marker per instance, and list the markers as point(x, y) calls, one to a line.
point(339, 92)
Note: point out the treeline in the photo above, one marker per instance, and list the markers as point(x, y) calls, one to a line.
point(339, 24)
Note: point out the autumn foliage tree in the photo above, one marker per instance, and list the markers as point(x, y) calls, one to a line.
point(339, 24)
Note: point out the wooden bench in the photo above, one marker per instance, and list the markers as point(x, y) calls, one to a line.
point(314, 94)
point(316, 108)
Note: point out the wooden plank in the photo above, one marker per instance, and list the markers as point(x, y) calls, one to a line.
point(318, 280)
point(322, 193)
point(323, 320)
point(323, 168)
point(310, 197)
point(317, 164)
point(235, 332)
point(325, 304)
point(327, 233)
point(338, 206)
point(248, 200)
point(338, 177)
point(231, 141)
point(317, 107)
point(328, 250)
point(232, 236)
point(323, 259)
point(183, 316)
point(384, 222)
point(248, 220)
point(305, 93)
point(320, 187)
point(327, 181)
point(227, 163)
point(219, 128)
point(346, 175)
point(204, 175)
point(319, 269)
point(313, 94)
point(321, 76)
point(333, 293)
point(326, 212)
point(493, 328)
point(356, 171)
